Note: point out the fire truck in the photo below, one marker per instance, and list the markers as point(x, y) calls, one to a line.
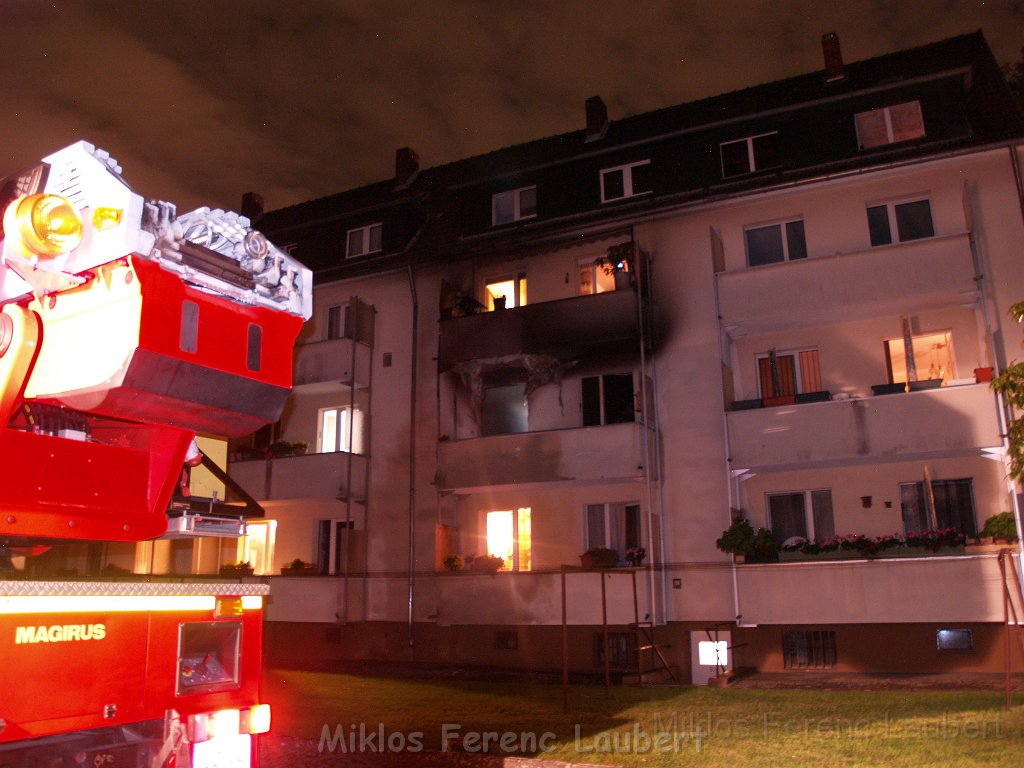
point(127, 329)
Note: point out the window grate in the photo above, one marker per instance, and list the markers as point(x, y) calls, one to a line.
point(813, 649)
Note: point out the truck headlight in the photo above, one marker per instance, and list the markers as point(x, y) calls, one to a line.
point(48, 224)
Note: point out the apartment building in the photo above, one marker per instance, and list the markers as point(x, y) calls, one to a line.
point(770, 304)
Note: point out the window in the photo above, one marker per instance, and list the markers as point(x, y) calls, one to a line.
point(594, 278)
point(954, 640)
point(626, 181)
point(335, 428)
point(505, 292)
point(951, 505)
point(509, 537)
point(337, 322)
point(513, 205)
point(932, 357)
point(788, 373)
point(608, 399)
point(802, 513)
point(889, 125)
point(622, 650)
point(333, 542)
point(615, 525)
point(504, 409)
point(913, 221)
point(815, 649)
point(776, 242)
point(363, 240)
point(754, 153)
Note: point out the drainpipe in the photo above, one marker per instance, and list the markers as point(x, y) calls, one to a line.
point(1004, 412)
point(412, 452)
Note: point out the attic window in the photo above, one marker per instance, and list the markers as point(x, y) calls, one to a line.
point(889, 125)
point(513, 205)
point(754, 153)
point(363, 240)
point(626, 181)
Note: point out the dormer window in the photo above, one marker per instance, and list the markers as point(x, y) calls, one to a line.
point(754, 153)
point(513, 205)
point(626, 181)
point(889, 125)
point(363, 241)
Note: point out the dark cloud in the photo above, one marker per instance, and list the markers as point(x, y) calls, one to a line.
point(201, 102)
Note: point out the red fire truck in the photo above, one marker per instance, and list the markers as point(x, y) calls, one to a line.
point(125, 330)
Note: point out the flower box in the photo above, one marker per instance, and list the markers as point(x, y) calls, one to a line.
point(236, 570)
point(305, 570)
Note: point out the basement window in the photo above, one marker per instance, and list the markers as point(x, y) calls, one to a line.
point(815, 649)
point(954, 640)
point(621, 655)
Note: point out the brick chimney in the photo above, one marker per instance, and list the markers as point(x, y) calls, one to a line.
point(597, 118)
point(252, 206)
point(833, 57)
point(407, 165)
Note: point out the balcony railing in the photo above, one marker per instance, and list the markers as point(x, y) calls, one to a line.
point(892, 280)
point(578, 327)
point(610, 453)
point(316, 475)
point(949, 421)
point(325, 364)
point(959, 588)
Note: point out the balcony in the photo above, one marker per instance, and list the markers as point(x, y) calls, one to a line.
point(959, 588)
point(949, 421)
point(612, 453)
point(892, 280)
point(578, 327)
point(320, 366)
point(532, 598)
point(317, 475)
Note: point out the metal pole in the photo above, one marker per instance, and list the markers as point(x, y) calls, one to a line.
point(604, 625)
point(1006, 627)
point(565, 652)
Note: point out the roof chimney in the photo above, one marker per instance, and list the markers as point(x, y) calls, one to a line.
point(252, 206)
point(407, 165)
point(833, 57)
point(597, 118)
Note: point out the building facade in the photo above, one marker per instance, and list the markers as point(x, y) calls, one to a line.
point(779, 304)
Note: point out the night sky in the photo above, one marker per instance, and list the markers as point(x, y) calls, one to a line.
point(296, 99)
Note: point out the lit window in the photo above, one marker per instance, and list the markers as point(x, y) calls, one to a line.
point(889, 125)
point(509, 537)
point(626, 181)
point(514, 205)
point(363, 240)
point(336, 428)
point(754, 153)
point(913, 221)
point(505, 292)
point(595, 278)
point(257, 545)
point(776, 242)
point(615, 526)
point(807, 514)
point(932, 353)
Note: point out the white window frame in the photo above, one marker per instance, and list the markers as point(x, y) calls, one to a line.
point(752, 165)
point(602, 398)
point(886, 113)
point(808, 508)
point(782, 225)
point(797, 370)
point(337, 322)
point(366, 237)
point(338, 443)
point(610, 536)
point(517, 205)
point(627, 181)
point(890, 211)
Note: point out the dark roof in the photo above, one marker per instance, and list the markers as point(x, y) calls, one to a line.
point(992, 116)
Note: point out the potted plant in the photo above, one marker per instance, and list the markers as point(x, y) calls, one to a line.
point(599, 557)
point(299, 567)
point(616, 263)
point(1001, 527)
point(277, 449)
point(453, 562)
point(766, 547)
point(737, 539)
point(487, 563)
point(237, 569)
point(635, 556)
point(300, 447)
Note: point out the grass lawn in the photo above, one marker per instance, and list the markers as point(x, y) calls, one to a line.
point(653, 726)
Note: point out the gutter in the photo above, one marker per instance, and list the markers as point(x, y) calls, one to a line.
point(412, 453)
